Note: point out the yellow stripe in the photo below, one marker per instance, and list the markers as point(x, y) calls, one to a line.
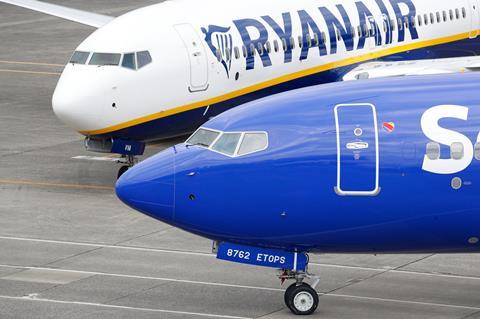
point(282, 79)
point(73, 186)
point(29, 72)
point(30, 63)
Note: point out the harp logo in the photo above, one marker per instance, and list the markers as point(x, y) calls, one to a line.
point(220, 42)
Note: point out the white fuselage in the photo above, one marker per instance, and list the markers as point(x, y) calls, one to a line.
point(251, 48)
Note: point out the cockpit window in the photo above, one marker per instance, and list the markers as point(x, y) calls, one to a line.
point(227, 143)
point(105, 59)
point(203, 137)
point(253, 142)
point(79, 57)
point(143, 58)
point(233, 144)
point(129, 61)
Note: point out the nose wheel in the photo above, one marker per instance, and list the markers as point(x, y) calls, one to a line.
point(129, 161)
point(300, 297)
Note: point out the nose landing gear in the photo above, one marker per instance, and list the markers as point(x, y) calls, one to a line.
point(128, 161)
point(300, 297)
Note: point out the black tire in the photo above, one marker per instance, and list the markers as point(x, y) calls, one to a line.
point(122, 171)
point(288, 292)
point(303, 300)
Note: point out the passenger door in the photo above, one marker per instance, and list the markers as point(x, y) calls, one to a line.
point(475, 14)
point(197, 57)
point(357, 150)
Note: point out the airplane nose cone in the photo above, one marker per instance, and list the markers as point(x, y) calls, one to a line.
point(149, 187)
point(74, 102)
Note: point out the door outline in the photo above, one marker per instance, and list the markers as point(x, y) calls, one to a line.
point(194, 54)
point(475, 18)
point(338, 188)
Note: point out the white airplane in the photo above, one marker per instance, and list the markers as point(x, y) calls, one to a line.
point(163, 70)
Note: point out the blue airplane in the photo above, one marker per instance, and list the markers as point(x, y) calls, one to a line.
point(373, 166)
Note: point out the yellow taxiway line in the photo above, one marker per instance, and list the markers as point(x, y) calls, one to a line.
point(29, 72)
point(57, 185)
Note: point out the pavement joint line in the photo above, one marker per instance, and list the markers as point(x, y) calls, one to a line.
point(198, 314)
point(59, 185)
point(192, 253)
point(411, 302)
point(29, 72)
point(186, 281)
point(30, 63)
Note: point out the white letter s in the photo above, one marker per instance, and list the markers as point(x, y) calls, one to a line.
point(440, 135)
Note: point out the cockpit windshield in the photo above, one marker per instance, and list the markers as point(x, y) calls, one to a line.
point(105, 59)
point(79, 57)
point(203, 137)
point(231, 144)
point(131, 60)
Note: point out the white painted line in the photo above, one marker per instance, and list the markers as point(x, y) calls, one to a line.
point(95, 273)
point(181, 252)
point(106, 246)
point(121, 307)
point(402, 301)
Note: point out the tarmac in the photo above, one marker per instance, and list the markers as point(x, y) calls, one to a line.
point(70, 249)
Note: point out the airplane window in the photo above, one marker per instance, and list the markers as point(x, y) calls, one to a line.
point(227, 143)
point(456, 151)
point(407, 23)
point(260, 48)
point(237, 53)
point(400, 24)
point(253, 142)
point(451, 15)
point(315, 40)
point(284, 44)
point(413, 21)
point(419, 21)
point(203, 137)
point(309, 42)
point(292, 43)
point(444, 16)
point(300, 41)
point(353, 33)
point(323, 37)
point(275, 45)
point(143, 58)
point(129, 61)
point(79, 57)
point(244, 51)
point(252, 49)
point(228, 55)
point(338, 35)
point(105, 59)
point(433, 151)
point(269, 47)
point(457, 13)
point(439, 19)
point(477, 151)
point(359, 29)
point(392, 23)
point(425, 19)
point(432, 18)
point(464, 13)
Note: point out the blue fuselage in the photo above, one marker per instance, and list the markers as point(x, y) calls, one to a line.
point(346, 170)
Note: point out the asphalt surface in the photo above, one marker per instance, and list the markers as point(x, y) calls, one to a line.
point(70, 249)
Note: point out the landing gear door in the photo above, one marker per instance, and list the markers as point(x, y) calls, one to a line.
point(197, 57)
point(475, 14)
point(357, 150)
